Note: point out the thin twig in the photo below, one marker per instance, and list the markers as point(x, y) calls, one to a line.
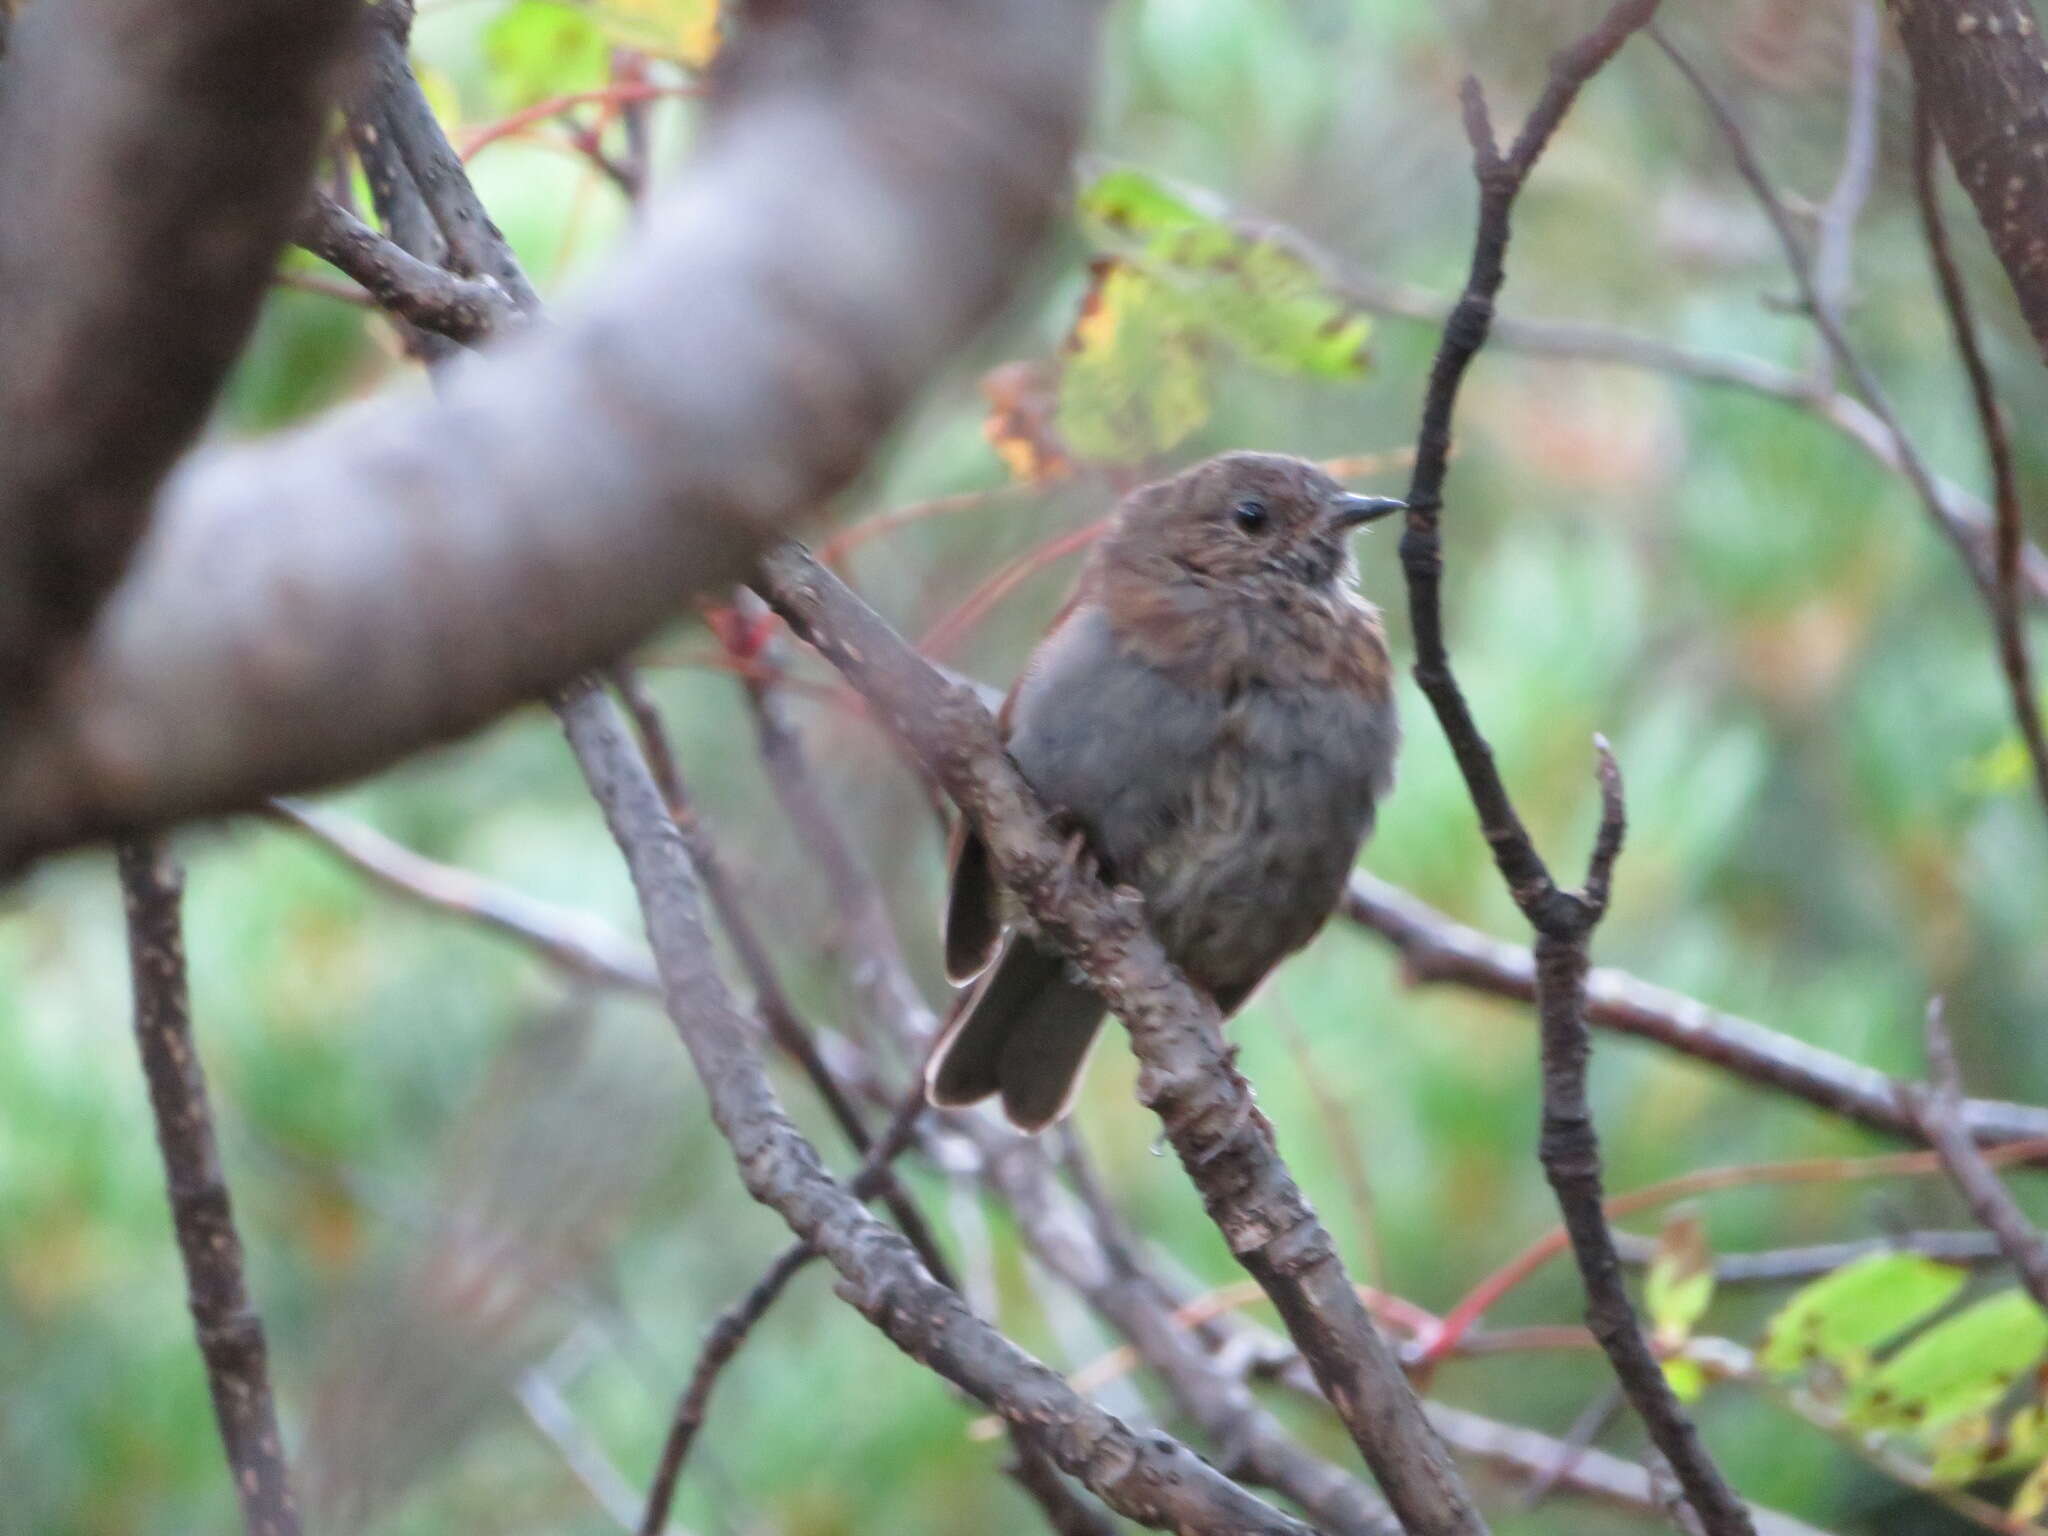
point(617, 94)
point(1825, 319)
point(721, 1343)
point(1970, 519)
point(463, 309)
point(1563, 920)
point(579, 944)
point(1813, 1170)
point(771, 1003)
point(891, 1002)
point(1989, 1200)
point(550, 1413)
point(1833, 250)
point(1528, 1453)
point(1435, 949)
point(2007, 619)
point(1086, 1248)
point(229, 1332)
point(1781, 1266)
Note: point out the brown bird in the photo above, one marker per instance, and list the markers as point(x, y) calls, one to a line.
point(1214, 711)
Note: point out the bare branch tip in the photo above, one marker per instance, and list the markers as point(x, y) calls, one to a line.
point(1478, 123)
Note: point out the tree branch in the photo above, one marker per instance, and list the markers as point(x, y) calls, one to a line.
point(467, 310)
point(1434, 949)
point(1186, 1075)
point(1982, 69)
point(312, 608)
point(2008, 620)
point(1938, 1112)
point(230, 1333)
point(721, 1342)
point(1149, 1478)
point(1247, 1442)
point(1563, 920)
point(150, 164)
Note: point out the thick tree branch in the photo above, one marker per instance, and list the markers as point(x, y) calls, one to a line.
point(1982, 68)
point(1435, 949)
point(314, 607)
point(230, 1333)
point(150, 164)
point(1563, 920)
point(1149, 1478)
point(1186, 1075)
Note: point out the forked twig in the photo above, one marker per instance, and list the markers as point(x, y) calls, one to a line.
point(1564, 920)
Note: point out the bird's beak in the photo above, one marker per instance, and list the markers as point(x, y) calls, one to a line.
point(1349, 512)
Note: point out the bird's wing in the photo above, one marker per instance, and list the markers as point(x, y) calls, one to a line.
point(974, 922)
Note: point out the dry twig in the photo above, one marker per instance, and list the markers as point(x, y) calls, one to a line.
point(1563, 920)
point(229, 1332)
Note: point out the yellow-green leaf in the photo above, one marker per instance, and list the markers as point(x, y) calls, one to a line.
point(1132, 383)
point(1246, 288)
point(1841, 1317)
point(1962, 1365)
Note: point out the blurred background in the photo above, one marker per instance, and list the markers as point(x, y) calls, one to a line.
point(487, 1215)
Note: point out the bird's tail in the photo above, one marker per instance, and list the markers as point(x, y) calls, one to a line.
point(1024, 1033)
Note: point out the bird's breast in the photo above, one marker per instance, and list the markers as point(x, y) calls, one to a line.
point(1268, 827)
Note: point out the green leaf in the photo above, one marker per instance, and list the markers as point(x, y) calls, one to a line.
point(1680, 1284)
point(1961, 1366)
point(1133, 383)
point(542, 48)
point(1840, 1318)
point(1250, 290)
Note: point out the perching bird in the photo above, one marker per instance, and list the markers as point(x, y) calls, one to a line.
point(1214, 711)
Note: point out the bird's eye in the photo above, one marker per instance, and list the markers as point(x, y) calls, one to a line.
point(1250, 516)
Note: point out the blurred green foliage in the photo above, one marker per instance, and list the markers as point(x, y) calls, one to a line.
point(1792, 668)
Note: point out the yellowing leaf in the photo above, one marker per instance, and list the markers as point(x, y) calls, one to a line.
point(687, 31)
point(1023, 398)
point(1249, 289)
point(1840, 1318)
point(1680, 1284)
point(1132, 382)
